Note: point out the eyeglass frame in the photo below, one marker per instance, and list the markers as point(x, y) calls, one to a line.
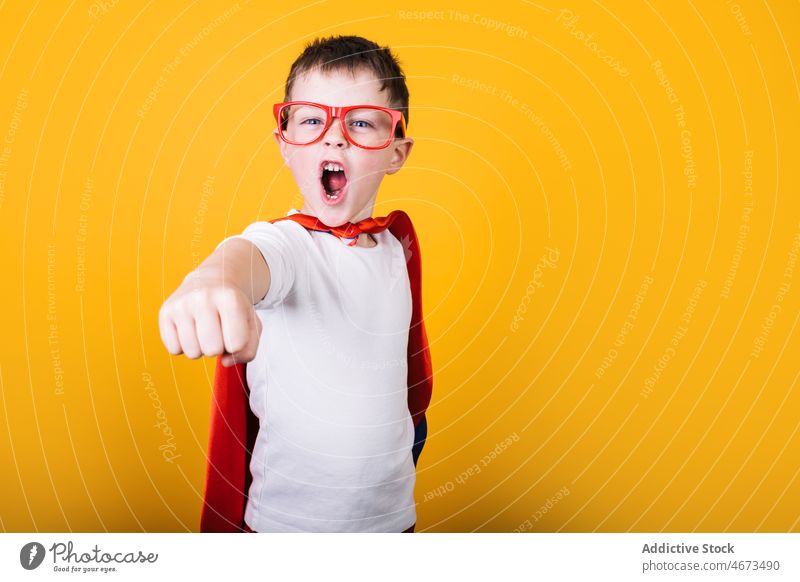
point(332, 112)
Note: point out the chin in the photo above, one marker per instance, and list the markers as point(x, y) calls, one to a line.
point(333, 215)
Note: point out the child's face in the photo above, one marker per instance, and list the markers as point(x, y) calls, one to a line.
point(364, 169)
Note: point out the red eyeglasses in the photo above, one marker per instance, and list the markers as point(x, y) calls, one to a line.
point(367, 126)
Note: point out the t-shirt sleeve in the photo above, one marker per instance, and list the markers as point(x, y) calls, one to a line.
point(277, 249)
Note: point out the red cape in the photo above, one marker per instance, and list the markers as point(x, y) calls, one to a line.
point(234, 426)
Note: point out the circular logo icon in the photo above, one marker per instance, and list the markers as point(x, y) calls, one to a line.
point(31, 555)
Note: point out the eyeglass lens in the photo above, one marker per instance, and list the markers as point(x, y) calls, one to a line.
point(367, 127)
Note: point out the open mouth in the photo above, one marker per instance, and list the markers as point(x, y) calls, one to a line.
point(334, 180)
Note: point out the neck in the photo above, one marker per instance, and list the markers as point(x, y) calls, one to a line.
point(366, 240)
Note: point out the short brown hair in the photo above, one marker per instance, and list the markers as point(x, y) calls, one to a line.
point(352, 53)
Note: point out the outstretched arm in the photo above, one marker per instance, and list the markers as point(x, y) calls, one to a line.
point(211, 313)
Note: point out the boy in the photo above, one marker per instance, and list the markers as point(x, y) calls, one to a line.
point(340, 377)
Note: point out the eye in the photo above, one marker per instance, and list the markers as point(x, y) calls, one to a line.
point(311, 121)
point(361, 124)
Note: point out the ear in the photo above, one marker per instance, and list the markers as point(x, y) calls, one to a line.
point(281, 146)
point(401, 149)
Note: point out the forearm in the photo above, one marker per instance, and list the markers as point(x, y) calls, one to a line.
point(236, 263)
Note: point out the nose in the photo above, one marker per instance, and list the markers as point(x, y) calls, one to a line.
point(334, 135)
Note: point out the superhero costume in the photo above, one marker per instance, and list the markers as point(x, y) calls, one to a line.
point(234, 426)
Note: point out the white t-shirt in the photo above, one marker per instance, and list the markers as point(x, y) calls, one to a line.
point(329, 385)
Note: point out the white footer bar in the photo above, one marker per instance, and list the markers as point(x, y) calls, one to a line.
point(402, 557)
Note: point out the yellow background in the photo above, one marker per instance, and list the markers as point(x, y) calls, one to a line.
point(611, 297)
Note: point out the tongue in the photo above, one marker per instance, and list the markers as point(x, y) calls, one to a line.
point(334, 181)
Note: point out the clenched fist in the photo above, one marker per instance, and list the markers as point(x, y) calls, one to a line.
point(210, 314)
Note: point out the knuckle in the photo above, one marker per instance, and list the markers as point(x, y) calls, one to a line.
point(166, 313)
point(237, 346)
point(182, 307)
point(197, 297)
point(213, 349)
point(238, 338)
point(228, 296)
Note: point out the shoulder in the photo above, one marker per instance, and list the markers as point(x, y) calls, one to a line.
point(284, 239)
point(288, 227)
point(285, 232)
